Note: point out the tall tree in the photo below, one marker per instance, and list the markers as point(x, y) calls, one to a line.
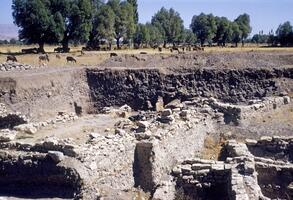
point(103, 26)
point(236, 33)
point(284, 33)
point(36, 21)
point(156, 37)
point(170, 24)
point(142, 35)
point(224, 31)
point(135, 10)
point(189, 37)
point(78, 22)
point(204, 26)
point(124, 21)
point(243, 22)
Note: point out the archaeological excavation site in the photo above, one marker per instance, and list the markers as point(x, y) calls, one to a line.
point(194, 126)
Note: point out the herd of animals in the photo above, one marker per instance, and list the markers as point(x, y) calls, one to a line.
point(43, 58)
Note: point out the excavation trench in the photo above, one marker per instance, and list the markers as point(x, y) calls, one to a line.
point(89, 90)
point(274, 181)
point(37, 176)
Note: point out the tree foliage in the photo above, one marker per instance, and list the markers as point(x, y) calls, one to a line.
point(124, 25)
point(103, 25)
point(170, 25)
point(52, 21)
point(224, 31)
point(243, 22)
point(135, 10)
point(204, 26)
point(37, 23)
point(285, 34)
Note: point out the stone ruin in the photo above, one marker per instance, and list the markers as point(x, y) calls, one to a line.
point(244, 173)
point(144, 153)
point(90, 133)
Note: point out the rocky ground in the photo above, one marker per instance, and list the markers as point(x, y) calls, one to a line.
point(188, 126)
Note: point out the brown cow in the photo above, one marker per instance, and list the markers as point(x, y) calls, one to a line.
point(11, 58)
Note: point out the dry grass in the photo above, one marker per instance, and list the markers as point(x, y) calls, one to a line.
point(89, 58)
point(97, 57)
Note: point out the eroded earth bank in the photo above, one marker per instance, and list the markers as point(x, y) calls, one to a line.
point(190, 126)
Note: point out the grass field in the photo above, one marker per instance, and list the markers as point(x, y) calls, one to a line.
point(97, 57)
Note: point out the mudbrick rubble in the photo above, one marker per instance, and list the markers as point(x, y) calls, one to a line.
point(94, 133)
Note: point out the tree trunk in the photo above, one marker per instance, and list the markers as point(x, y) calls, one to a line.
point(236, 43)
point(165, 44)
point(201, 43)
point(41, 47)
point(118, 43)
point(65, 43)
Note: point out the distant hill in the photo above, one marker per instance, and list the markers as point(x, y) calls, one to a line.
point(8, 31)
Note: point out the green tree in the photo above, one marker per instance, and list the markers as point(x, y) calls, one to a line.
point(103, 26)
point(36, 21)
point(224, 31)
point(170, 24)
point(189, 37)
point(156, 37)
point(284, 33)
point(142, 35)
point(204, 26)
point(78, 22)
point(236, 33)
point(260, 38)
point(135, 11)
point(124, 21)
point(243, 22)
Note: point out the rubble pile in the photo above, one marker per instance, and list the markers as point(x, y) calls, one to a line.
point(14, 66)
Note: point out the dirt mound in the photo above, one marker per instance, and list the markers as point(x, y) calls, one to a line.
point(202, 60)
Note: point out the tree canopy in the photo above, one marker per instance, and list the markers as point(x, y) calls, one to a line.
point(170, 25)
point(285, 34)
point(99, 21)
point(37, 23)
point(204, 26)
point(52, 21)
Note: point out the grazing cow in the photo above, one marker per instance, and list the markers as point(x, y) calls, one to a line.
point(70, 59)
point(58, 49)
point(30, 50)
point(113, 55)
point(44, 58)
point(61, 50)
point(160, 49)
point(58, 56)
point(11, 58)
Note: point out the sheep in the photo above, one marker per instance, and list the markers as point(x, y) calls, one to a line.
point(70, 59)
point(11, 58)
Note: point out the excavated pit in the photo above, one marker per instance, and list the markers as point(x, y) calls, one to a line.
point(274, 181)
point(37, 176)
point(142, 153)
